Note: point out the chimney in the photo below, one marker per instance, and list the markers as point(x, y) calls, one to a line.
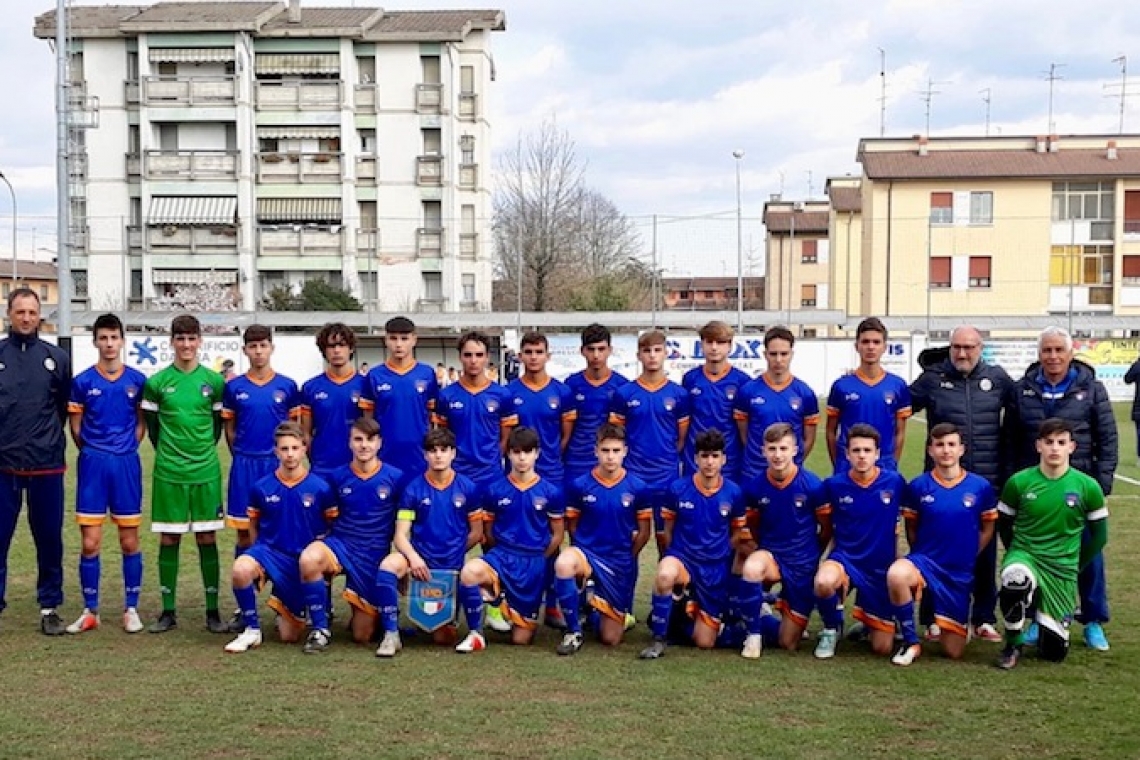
point(1054, 143)
point(294, 11)
point(1041, 144)
point(1110, 154)
point(923, 146)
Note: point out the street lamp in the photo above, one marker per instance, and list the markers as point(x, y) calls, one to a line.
point(738, 154)
point(15, 264)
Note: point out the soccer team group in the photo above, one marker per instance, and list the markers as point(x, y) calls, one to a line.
point(389, 479)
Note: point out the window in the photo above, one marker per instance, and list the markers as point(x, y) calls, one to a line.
point(133, 140)
point(43, 293)
point(132, 66)
point(1080, 265)
point(1132, 212)
point(167, 69)
point(366, 69)
point(168, 136)
point(367, 215)
point(982, 208)
point(809, 332)
point(941, 208)
point(5, 289)
point(467, 149)
point(433, 215)
point(429, 64)
point(368, 141)
point(469, 288)
point(807, 296)
point(980, 271)
point(939, 272)
point(1130, 271)
point(433, 286)
point(809, 251)
point(136, 212)
point(432, 142)
point(1083, 200)
point(467, 216)
point(467, 79)
point(136, 283)
point(79, 282)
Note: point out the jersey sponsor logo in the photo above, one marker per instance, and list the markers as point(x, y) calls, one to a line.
point(518, 401)
point(272, 499)
point(384, 387)
point(94, 392)
point(846, 500)
point(279, 397)
point(355, 397)
point(589, 498)
point(886, 496)
point(169, 389)
point(1072, 500)
point(321, 396)
point(580, 396)
point(851, 396)
point(632, 403)
point(969, 500)
point(1031, 496)
point(505, 501)
point(2, 366)
point(686, 505)
point(347, 490)
point(927, 499)
point(49, 364)
point(765, 501)
point(455, 405)
point(242, 396)
point(986, 384)
point(383, 491)
point(946, 384)
point(695, 391)
point(1081, 396)
point(759, 400)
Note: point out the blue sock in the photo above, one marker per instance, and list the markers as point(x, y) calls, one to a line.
point(904, 616)
point(770, 630)
point(660, 608)
point(566, 590)
point(316, 596)
point(831, 610)
point(132, 579)
point(247, 603)
point(738, 593)
point(89, 569)
point(750, 596)
point(388, 598)
point(471, 597)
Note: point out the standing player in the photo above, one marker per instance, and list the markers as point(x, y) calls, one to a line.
point(524, 528)
point(655, 413)
point(704, 521)
point(862, 515)
point(107, 426)
point(776, 396)
point(330, 401)
point(183, 405)
point(440, 520)
point(950, 515)
point(713, 390)
point(870, 395)
point(1043, 513)
point(367, 492)
point(400, 395)
point(608, 529)
point(287, 511)
point(783, 503)
point(591, 390)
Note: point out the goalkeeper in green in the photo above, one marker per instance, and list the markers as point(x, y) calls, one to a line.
point(1042, 514)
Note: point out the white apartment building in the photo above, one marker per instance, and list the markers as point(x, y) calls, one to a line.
point(257, 144)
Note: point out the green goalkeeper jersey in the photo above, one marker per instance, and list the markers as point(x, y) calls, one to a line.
point(1049, 516)
point(186, 404)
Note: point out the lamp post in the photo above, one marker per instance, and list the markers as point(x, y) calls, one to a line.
point(15, 263)
point(738, 154)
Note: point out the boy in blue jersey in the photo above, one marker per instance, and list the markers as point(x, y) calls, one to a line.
point(870, 395)
point(950, 516)
point(713, 390)
point(367, 493)
point(590, 390)
point(655, 413)
point(608, 529)
point(288, 510)
point(331, 401)
point(440, 520)
point(524, 525)
point(783, 502)
point(774, 397)
point(704, 523)
point(107, 426)
point(859, 519)
point(400, 395)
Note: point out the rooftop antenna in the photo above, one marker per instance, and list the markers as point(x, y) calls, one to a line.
point(781, 183)
point(1121, 90)
point(986, 97)
point(927, 96)
point(811, 185)
point(1052, 77)
point(882, 92)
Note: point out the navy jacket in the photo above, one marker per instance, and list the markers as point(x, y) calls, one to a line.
point(35, 386)
point(1132, 376)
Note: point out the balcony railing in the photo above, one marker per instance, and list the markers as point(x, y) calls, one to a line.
point(1132, 226)
point(429, 98)
point(433, 305)
point(134, 236)
point(366, 167)
point(429, 242)
point(189, 91)
point(364, 98)
point(468, 245)
point(468, 176)
point(191, 164)
point(77, 165)
point(316, 95)
point(79, 237)
point(196, 239)
point(304, 241)
point(369, 245)
point(468, 106)
point(429, 170)
point(299, 167)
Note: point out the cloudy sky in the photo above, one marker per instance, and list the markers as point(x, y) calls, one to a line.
point(657, 95)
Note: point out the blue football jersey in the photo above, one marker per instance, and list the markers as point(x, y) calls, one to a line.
point(544, 409)
point(762, 404)
point(864, 517)
point(879, 403)
point(607, 512)
point(711, 401)
point(333, 404)
point(110, 409)
point(948, 518)
point(652, 417)
point(441, 518)
point(257, 409)
point(476, 416)
point(703, 521)
point(591, 402)
point(402, 403)
point(367, 504)
point(520, 516)
point(291, 515)
point(785, 515)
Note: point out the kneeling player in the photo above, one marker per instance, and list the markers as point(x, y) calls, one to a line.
point(1043, 512)
point(950, 516)
point(705, 518)
point(287, 511)
point(608, 529)
point(782, 505)
point(367, 494)
point(524, 526)
point(440, 519)
point(862, 514)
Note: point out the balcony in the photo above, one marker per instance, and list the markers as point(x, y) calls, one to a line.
point(364, 98)
point(429, 242)
point(191, 239)
point(300, 241)
point(189, 91)
point(468, 176)
point(366, 167)
point(429, 170)
point(293, 168)
point(369, 245)
point(191, 164)
point(468, 106)
point(432, 305)
point(134, 237)
point(134, 166)
point(79, 238)
point(429, 98)
point(77, 165)
point(468, 245)
point(315, 95)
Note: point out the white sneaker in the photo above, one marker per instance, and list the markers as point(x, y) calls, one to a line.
point(473, 643)
point(249, 639)
point(132, 623)
point(906, 654)
point(494, 619)
point(88, 621)
point(828, 641)
point(933, 632)
point(987, 632)
point(389, 645)
point(753, 647)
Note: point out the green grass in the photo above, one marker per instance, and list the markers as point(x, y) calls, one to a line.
point(106, 694)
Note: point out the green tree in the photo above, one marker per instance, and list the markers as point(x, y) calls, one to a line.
point(315, 295)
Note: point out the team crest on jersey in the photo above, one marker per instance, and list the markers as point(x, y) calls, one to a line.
point(355, 397)
point(1072, 500)
point(132, 391)
point(308, 500)
point(539, 502)
point(670, 403)
point(421, 386)
point(795, 403)
point(553, 402)
point(627, 500)
point(459, 501)
point(969, 500)
point(730, 392)
point(986, 384)
point(279, 397)
point(206, 390)
point(492, 405)
point(383, 491)
point(886, 496)
point(800, 500)
point(49, 364)
point(889, 398)
point(725, 508)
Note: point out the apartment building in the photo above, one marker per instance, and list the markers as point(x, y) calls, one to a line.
point(799, 270)
point(260, 144)
point(710, 293)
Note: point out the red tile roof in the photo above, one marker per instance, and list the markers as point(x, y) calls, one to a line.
point(846, 198)
point(806, 221)
point(1000, 164)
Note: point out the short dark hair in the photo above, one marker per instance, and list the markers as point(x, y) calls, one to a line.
point(534, 339)
point(862, 430)
point(400, 326)
point(185, 324)
point(943, 429)
point(439, 438)
point(611, 432)
point(107, 322)
point(367, 425)
point(256, 334)
point(522, 439)
point(1053, 426)
point(778, 431)
point(709, 440)
point(871, 324)
point(779, 333)
point(596, 333)
point(22, 292)
point(289, 428)
point(336, 331)
point(473, 336)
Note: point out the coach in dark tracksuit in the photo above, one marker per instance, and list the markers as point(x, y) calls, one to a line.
point(35, 383)
point(1059, 386)
point(956, 386)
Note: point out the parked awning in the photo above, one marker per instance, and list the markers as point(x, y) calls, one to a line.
point(219, 209)
point(194, 277)
point(297, 63)
point(191, 55)
point(297, 133)
point(298, 210)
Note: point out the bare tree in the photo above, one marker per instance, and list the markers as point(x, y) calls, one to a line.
point(606, 240)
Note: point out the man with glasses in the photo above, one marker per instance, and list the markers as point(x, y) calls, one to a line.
point(957, 386)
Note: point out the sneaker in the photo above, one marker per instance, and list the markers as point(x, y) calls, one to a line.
point(237, 622)
point(473, 643)
point(987, 632)
point(390, 644)
point(654, 651)
point(828, 641)
point(1008, 658)
point(905, 654)
point(630, 621)
point(51, 624)
point(495, 620)
point(132, 623)
point(167, 621)
point(215, 624)
point(856, 633)
point(317, 641)
point(1095, 638)
point(1032, 633)
point(753, 647)
point(571, 643)
point(934, 633)
point(249, 639)
point(553, 618)
point(88, 621)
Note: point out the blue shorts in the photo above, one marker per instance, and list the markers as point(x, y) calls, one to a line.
point(244, 474)
point(359, 569)
point(284, 572)
point(109, 483)
point(872, 600)
point(656, 499)
point(521, 580)
point(949, 595)
point(614, 582)
point(708, 586)
point(797, 591)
